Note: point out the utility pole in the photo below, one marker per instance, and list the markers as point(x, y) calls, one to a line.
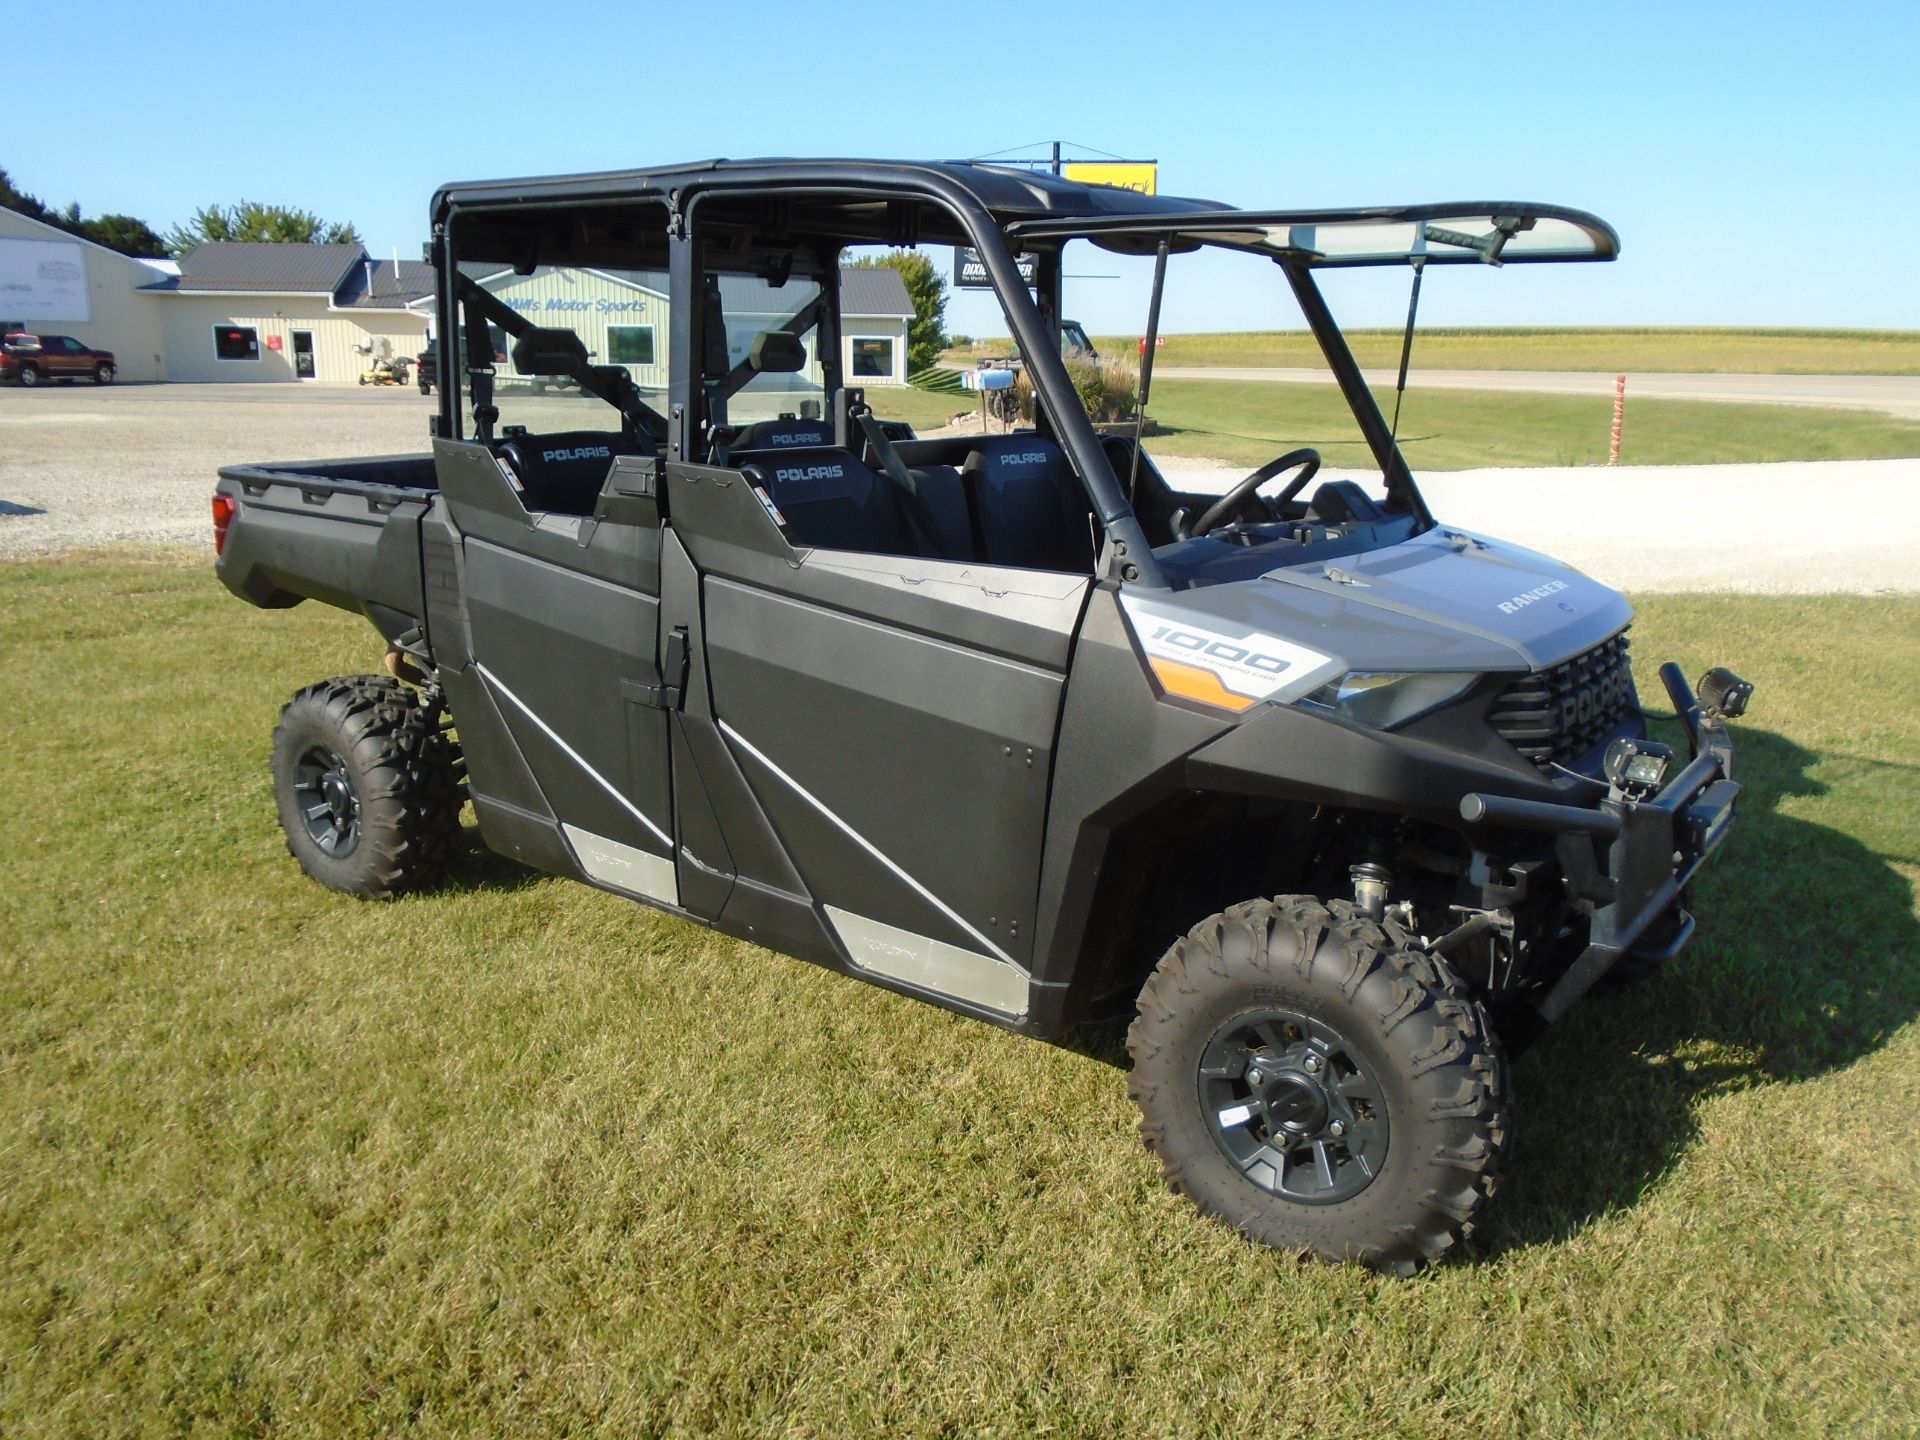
point(1056, 157)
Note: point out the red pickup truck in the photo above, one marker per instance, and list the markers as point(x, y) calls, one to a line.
point(33, 358)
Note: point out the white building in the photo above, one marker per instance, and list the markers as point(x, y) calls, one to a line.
point(58, 283)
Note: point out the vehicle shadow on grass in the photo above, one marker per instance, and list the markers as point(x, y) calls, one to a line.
point(1804, 964)
point(476, 868)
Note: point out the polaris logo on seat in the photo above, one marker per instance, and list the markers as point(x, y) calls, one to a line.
point(797, 475)
point(1527, 597)
point(776, 440)
point(583, 452)
point(1026, 457)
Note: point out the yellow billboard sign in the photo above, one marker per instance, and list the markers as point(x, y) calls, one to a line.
point(1123, 174)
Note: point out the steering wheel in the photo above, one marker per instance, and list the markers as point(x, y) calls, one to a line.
point(1306, 457)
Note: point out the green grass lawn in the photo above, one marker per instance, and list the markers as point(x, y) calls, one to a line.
point(1250, 421)
point(1681, 349)
point(519, 1158)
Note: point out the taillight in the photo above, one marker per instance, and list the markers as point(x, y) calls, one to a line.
point(224, 510)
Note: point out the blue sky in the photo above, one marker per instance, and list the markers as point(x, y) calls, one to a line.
point(1759, 160)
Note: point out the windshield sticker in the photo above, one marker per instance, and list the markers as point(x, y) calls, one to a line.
point(1226, 670)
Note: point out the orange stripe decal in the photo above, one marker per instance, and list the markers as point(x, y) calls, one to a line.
point(1190, 682)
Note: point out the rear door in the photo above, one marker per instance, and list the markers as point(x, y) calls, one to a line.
point(557, 696)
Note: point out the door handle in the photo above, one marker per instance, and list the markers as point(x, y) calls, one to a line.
point(676, 659)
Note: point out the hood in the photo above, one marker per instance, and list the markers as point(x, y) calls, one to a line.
point(1443, 601)
point(1541, 610)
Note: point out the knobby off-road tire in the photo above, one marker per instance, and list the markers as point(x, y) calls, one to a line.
point(1375, 1093)
point(369, 786)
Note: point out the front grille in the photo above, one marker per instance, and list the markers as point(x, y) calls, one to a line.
point(1562, 714)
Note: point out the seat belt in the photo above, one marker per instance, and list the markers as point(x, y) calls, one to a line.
point(480, 371)
point(918, 515)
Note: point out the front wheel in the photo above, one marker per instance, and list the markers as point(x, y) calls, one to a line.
point(1306, 1076)
point(368, 785)
point(103, 374)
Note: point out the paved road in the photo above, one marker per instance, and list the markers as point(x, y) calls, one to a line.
point(1651, 528)
point(1890, 394)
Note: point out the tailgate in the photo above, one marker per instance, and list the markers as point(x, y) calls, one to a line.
point(339, 531)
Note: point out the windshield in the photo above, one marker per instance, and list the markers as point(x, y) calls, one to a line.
point(619, 315)
point(752, 306)
point(1238, 377)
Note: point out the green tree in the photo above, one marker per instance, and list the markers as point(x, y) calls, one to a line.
point(128, 235)
point(256, 223)
point(18, 200)
point(125, 233)
point(927, 332)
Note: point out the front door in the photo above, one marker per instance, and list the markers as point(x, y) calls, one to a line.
point(894, 718)
point(303, 354)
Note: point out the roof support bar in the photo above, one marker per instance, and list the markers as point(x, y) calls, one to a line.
point(1353, 385)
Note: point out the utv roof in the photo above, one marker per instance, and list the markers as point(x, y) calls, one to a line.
point(1036, 206)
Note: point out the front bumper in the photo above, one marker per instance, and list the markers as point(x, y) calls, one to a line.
point(1626, 863)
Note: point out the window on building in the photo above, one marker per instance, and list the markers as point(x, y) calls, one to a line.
point(873, 357)
point(630, 344)
point(236, 342)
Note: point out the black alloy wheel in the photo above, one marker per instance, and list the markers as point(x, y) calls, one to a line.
point(328, 802)
point(1292, 1104)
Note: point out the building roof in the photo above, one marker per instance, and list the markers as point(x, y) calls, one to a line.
point(874, 290)
point(231, 265)
point(379, 286)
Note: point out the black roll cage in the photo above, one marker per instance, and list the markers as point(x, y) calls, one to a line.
point(1039, 213)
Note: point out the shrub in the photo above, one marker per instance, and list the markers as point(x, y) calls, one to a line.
point(1109, 390)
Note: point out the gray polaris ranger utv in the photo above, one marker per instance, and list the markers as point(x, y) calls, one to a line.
point(1332, 796)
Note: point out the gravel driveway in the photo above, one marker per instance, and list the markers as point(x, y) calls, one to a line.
point(82, 466)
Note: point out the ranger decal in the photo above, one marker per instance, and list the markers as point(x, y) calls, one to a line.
point(1527, 597)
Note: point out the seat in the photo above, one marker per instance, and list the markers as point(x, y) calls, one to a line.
point(829, 499)
point(563, 472)
point(785, 433)
point(1029, 510)
point(1341, 502)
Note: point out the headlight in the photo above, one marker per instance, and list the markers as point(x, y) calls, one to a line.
point(1384, 698)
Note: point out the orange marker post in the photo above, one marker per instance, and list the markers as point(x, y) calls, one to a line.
point(1619, 414)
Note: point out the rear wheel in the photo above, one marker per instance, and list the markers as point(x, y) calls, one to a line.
point(29, 375)
point(1306, 1076)
point(103, 374)
point(368, 785)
